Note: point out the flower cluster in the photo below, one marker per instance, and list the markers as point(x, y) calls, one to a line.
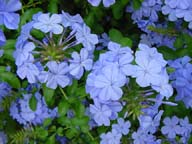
point(178, 9)
point(60, 83)
point(22, 112)
point(47, 60)
point(175, 126)
point(147, 14)
point(119, 129)
point(105, 81)
point(181, 79)
point(151, 71)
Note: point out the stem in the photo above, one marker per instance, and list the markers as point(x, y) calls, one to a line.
point(70, 45)
point(37, 41)
point(64, 94)
point(62, 36)
point(89, 134)
point(71, 36)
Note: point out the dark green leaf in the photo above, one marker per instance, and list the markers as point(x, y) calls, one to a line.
point(33, 103)
point(179, 42)
point(115, 35)
point(53, 6)
point(117, 10)
point(63, 107)
point(48, 95)
point(10, 78)
point(71, 133)
point(51, 140)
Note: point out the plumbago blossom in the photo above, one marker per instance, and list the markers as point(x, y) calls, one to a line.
point(8, 17)
point(176, 9)
point(22, 112)
point(147, 14)
point(181, 79)
point(106, 3)
point(177, 127)
point(112, 72)
point(150, 70)
point(46, 59)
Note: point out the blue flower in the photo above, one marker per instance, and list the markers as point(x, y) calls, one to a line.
point(84, 36)
point(186, 127)
point(23, 53)
point(79, 63)
point(47, 24)
point(101, 113)
point(5, 90)
point(164, 88)
point(143, 137)
point(21, 111)
point(122, 127)
point(147, 71)
point(28, 70)
point(171, 127)
point(7, 15)
point(68, 20)
point(25, 30)
point(111, 137)
point(181, 79)
point(56, 75)
point(150, 124)
point(109, 83)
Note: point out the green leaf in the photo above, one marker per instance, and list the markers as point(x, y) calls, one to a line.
point(168, 53)
point(47, 122)
point(85, 128)
point(71, 133)
point(115, 35)
point(124, 2)
point(83, 121)
point(179, 42)
point(10, 44)
point(11, 79)
point(33, 103)
point(41, 133)
point(79, 109)
point(8, 54)
point(64, 121)
point(51, 140)
point(60, 131)
point(137, 4)
point(3, 69)
point(53, 6)
point(63, 107)
point(117, 10)
point(37, 34)
point(126, 42)
point(48, 95)
point(73, 88)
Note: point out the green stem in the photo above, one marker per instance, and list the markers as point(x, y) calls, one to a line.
point(89, 134)
point(64, 94)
